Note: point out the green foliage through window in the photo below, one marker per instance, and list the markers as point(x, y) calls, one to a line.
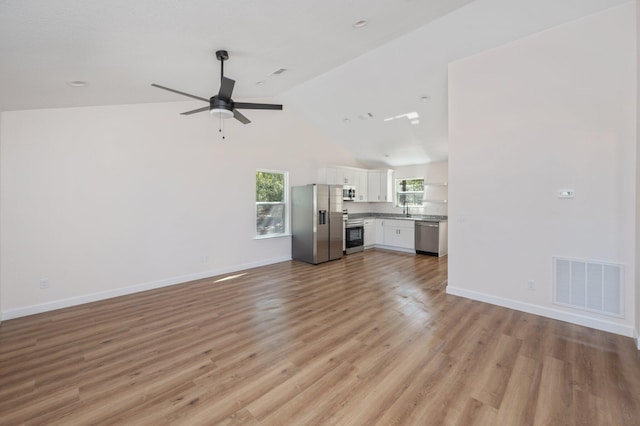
point(269, 186)
point(271, 204)
point(409, 192)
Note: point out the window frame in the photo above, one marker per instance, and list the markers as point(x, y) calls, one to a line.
point(399, 192)
point(284, 203)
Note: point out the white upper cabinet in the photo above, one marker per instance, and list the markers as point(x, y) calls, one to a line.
point(371, 185)
point(380, 185)
point(328, 175)
point(361, 186)
point(350, 177)
point(337, 176)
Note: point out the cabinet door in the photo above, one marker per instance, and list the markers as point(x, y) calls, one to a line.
point(322, 175)
point(369, 232)
point(361, 186)
point(373, 186)
point(406, 237)
point(380, 232)
point(391, 236)
point(331, 177)
point(386, 186)
point(390, 232)
point(349, 177)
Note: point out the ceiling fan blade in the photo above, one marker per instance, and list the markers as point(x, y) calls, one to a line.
point(195, 110)
point(249, 105)
point(179, 92)
point(226, 89)
point(241, 118)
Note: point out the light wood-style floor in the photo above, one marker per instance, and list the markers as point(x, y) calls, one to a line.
point(369, 339)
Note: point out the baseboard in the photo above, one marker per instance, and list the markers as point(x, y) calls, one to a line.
point(596, 323)
point(123, 291)
point(393, 248)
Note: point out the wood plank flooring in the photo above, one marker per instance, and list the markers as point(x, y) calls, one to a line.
point(369, 339)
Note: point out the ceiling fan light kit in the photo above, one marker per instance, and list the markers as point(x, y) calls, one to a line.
point(221, 113)
point(221, 105)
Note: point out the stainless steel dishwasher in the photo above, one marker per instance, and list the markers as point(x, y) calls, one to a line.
point(427, 237)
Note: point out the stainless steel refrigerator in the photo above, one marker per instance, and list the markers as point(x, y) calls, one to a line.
point(316, 223)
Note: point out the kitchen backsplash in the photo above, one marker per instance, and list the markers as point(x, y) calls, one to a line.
point(435, 209)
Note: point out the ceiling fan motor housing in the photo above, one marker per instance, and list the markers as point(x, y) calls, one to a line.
point(216, 103)
point(220, 107)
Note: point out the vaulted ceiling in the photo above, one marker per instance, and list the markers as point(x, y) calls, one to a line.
point(343, 79)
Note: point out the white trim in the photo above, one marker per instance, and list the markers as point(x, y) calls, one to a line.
point(267, 236)
point(394, 248)
point(123, 291)
point(597, 323)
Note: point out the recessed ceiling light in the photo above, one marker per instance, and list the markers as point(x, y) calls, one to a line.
point(77, 83)
point(359, 24)
point(386, 155)
point(346, 120)
point(260, 82)
point(280, 71)
point(424, 98)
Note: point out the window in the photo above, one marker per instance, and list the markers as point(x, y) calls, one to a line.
point(409, 192)
point(271, 202)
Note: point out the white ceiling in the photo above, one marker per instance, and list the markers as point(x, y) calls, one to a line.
point(334, 71)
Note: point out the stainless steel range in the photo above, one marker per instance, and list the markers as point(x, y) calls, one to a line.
point(354, 235)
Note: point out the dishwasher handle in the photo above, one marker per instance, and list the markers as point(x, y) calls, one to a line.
point(429, 224)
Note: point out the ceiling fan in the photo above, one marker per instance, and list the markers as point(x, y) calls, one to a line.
point(221, 104)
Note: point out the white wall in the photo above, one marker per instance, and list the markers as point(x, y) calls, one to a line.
point(103, 201)
point(555, 110)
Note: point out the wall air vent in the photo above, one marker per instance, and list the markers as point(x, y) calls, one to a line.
point(589, 286)
point(280, 71)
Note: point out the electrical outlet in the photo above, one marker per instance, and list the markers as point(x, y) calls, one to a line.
point(531, 285)
point(44, 283)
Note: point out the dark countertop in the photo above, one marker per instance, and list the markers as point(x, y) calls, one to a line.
point(426, 218)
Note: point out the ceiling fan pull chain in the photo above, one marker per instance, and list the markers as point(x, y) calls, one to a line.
point(221, 127)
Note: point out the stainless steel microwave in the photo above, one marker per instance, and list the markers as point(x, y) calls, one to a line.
point(348, 193)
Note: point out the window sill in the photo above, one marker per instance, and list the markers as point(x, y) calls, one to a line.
point(268, 236)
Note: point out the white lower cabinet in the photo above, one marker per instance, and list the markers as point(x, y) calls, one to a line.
point(379, 232)
point(396, 234)
point(369, 233)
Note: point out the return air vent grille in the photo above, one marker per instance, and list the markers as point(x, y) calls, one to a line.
point(588, 286)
